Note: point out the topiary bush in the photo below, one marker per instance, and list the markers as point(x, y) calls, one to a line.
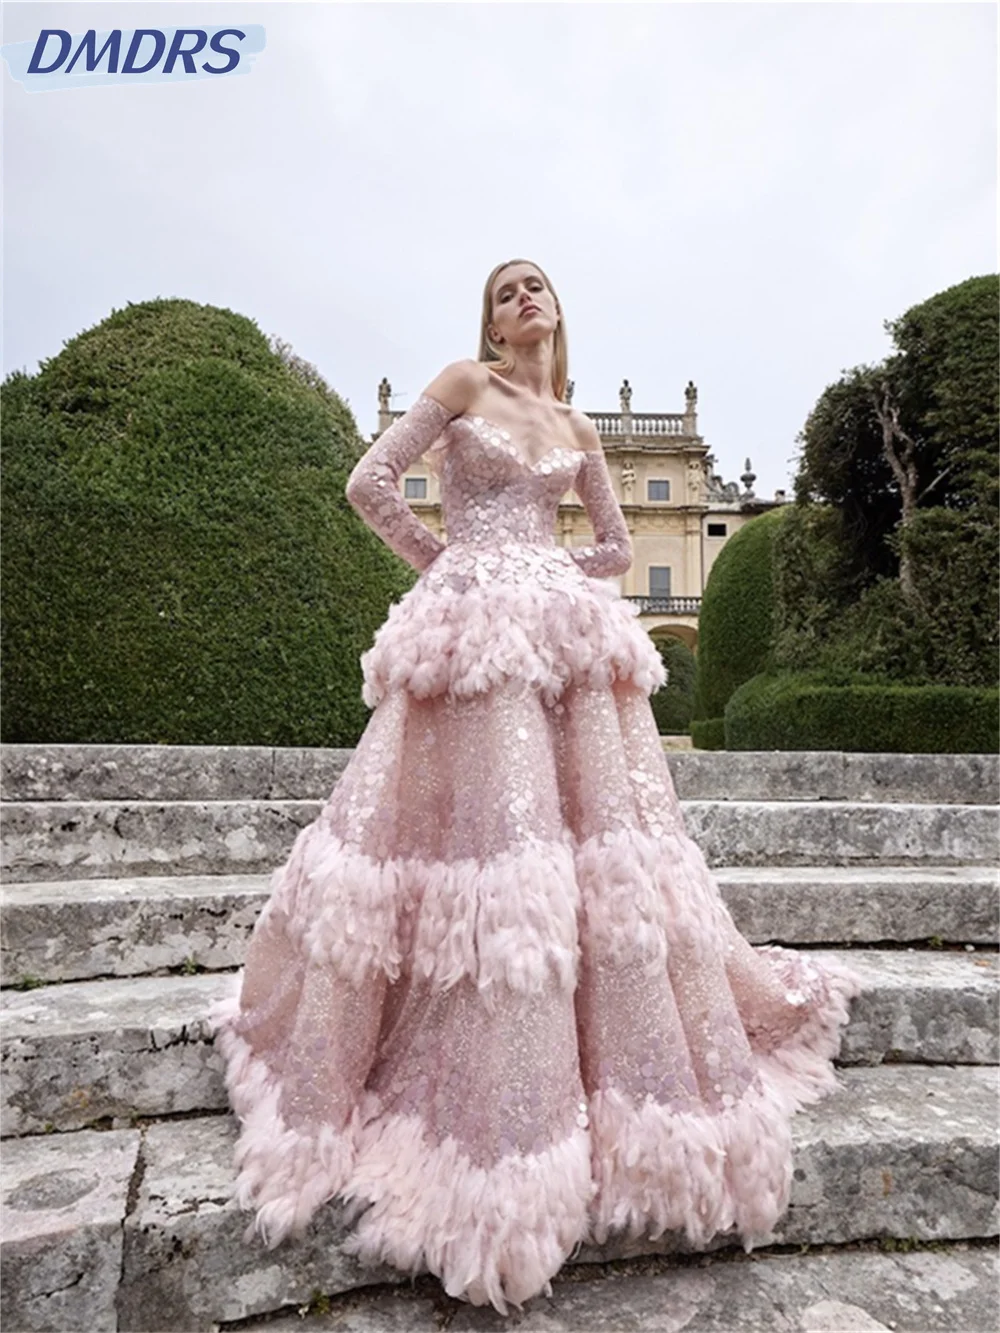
point(180, 562)
point(709, 734)
point(673, 705)
point(805, 712)
point(735, 624)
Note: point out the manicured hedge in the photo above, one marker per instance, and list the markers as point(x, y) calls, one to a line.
point(673, 705)
point(801, 712)
point(709, 734)
point(735, 624)
point(180, 564)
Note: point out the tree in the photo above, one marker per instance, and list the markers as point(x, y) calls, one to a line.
point(843, 465)
point(901, 452)
point(917, 431)
point(890, 567)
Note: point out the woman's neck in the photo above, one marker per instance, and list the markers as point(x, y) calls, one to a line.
point(533, 372)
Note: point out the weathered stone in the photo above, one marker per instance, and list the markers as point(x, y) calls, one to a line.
point(222, 772)
point(830, 833)
point(301, 774)
point(836, 775)
point(72, 930)
point(90, 840)
point(910, 1152)
point(64, 1204)
point(863, 904)
point(84, 1051)
point(923, 1007)
point(92, 1050)
point(81, 773)
point(187, 1264)
point(951, 1290)
point(897, 1151)
point(894, 1152)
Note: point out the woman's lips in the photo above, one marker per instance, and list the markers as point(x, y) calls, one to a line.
point(529, 310)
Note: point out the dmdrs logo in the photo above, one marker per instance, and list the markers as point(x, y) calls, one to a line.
point(132, 55)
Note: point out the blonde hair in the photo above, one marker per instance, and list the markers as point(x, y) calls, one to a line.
point(499, 357)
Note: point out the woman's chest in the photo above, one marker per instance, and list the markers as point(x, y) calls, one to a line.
point(534, 429)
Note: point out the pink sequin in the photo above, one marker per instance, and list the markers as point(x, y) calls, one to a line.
point(495, 1004)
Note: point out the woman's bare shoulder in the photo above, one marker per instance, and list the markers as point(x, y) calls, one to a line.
point(585, 431)
point(458, 385)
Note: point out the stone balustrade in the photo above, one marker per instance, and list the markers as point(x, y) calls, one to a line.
point(640, 425)
point(629, 425)
point(665, 606)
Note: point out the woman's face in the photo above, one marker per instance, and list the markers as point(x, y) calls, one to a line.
point(524, 310)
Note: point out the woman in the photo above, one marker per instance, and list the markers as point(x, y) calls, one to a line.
point(494, 1003)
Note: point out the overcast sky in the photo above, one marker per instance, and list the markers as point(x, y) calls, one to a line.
point(737, 194)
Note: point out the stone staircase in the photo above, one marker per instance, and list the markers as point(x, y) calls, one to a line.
point(132, 879)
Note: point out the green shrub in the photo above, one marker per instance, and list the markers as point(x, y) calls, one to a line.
point(709, 735)
point(673, 705)
point(805, 712)
point(811, 589)
point(179, 560)
point(945, 633)
point(836, 607)
point(956, 583)
point(735, 624)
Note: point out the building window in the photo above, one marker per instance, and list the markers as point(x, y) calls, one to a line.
point(716, 529)
point(415, 488)
point(657, 489)
point(659, 580)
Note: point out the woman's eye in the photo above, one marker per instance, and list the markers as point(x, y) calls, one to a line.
point(535, 285)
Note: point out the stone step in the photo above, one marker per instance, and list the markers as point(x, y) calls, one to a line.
point(863, 904)
point(795, 833)
point(90, 1051)
point(123, 773)
point(132, 1230)
point(110, 839)
point(844, 1290)
point(72, 930)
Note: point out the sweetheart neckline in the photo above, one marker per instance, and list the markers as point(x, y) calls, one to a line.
point(530, 467)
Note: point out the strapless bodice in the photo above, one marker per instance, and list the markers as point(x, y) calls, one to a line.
point(492, 496)
point(502, 599)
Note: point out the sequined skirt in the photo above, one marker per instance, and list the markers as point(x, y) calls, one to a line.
point(495, 1006)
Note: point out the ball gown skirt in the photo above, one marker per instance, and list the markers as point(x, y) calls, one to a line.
point(494, 1004)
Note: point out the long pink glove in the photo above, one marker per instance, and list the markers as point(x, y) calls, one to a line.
point(612, 551)
point(373, 486)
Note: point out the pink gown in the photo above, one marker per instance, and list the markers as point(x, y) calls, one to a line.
point(495, 1004)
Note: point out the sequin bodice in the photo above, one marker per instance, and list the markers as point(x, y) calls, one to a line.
point(493, 499)
point(490, 495)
